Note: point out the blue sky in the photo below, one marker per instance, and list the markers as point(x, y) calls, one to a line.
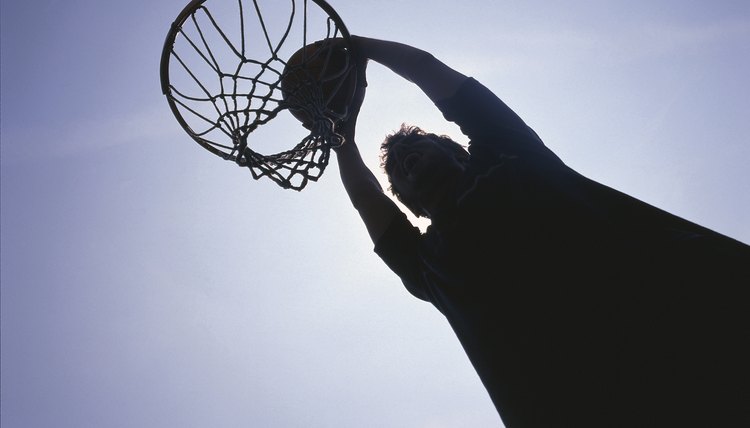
point(147, 283)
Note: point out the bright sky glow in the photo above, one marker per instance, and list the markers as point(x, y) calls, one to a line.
point(147, 283)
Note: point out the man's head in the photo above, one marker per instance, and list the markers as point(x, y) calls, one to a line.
point(421, 167)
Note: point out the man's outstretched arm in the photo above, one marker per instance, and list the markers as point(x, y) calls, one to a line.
point(375, 208)
point(434, 78)
point(483, 115)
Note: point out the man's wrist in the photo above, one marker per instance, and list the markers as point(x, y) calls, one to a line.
point(348, 146)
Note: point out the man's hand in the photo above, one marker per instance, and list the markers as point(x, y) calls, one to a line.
point(348, 127)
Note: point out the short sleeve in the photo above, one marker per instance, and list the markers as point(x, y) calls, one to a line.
point(488, 121)
point(399, 248)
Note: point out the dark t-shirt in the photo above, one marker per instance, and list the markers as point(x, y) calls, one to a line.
point(573, 301)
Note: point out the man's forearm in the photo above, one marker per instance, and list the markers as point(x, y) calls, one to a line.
point(402, 59)
point(374, 207)
point(436, 79)
point(359, 182)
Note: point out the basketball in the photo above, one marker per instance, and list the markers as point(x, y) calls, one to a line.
point(318, 75)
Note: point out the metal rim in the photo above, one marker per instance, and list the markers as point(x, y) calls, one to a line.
point(186, 12)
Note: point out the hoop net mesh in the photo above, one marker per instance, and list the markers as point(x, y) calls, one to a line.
point(222, 68)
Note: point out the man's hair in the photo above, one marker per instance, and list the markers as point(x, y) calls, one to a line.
point(406, 135)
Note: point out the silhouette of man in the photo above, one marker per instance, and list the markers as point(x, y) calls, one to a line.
point(578, 305)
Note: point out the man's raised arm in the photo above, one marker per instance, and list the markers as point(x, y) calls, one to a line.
point(434, 78)
point(375, 208)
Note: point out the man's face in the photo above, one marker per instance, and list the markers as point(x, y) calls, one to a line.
point(423, 171)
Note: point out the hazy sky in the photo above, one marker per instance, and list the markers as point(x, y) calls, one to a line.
point(148, 283)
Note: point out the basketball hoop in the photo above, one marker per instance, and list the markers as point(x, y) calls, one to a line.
point(223, 67)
